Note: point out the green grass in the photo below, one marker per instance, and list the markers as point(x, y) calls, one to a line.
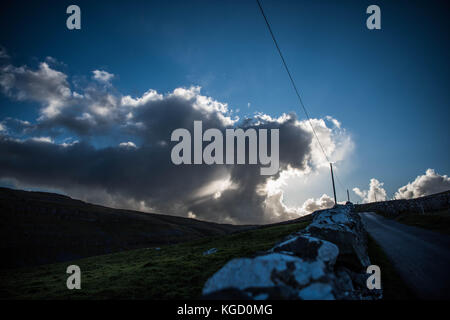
point(394, 288)
point(434, 221)
point(174, 272)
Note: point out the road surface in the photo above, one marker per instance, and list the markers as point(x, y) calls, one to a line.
point(421, 257)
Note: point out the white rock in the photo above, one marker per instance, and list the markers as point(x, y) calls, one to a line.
point(257, 272)
point(328, 252)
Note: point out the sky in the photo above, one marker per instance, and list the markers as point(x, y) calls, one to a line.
point(379, 97)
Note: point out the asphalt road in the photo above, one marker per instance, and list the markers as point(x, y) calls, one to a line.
point(421, 257)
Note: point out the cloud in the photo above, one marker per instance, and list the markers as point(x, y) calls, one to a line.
point(334, 121)
point(42, 139)
point(114, 149)
point(429, 183)
point(376, 192)
point(53, 62)
point(3, 53)
point(44, 85)
point(102, 76)
point(324, 202)
point(15, 126)
point(128, 144)
point(191, 215)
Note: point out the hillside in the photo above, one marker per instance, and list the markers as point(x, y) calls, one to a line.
point(38, 228)
point(127, 254)
point(177, 271)
point(173, 272)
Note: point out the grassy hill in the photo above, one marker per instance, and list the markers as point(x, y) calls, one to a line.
point(174, 272)
point(38, 228)
point(157, 256)
point(438, 221)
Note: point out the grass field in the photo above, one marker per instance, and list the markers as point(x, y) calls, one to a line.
point(435, 221)
point(173, 272)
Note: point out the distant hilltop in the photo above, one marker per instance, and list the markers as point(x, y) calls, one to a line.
point(41, 227)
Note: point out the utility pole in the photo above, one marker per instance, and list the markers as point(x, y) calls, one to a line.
point(332, 180)
point(348, 196)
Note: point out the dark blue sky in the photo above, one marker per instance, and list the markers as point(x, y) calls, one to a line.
point(388, 87)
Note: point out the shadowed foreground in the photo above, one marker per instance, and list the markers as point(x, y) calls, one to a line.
point(40, 228)
point(172, 272)
point(421, 257)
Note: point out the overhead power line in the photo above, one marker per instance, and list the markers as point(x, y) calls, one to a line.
point(290, 77)
point(295, 87)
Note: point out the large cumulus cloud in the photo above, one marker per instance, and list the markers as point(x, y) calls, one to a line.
point(324, 202)
point(426, 184)
point(429, 183)
point(101, 146)
point(376, 192)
